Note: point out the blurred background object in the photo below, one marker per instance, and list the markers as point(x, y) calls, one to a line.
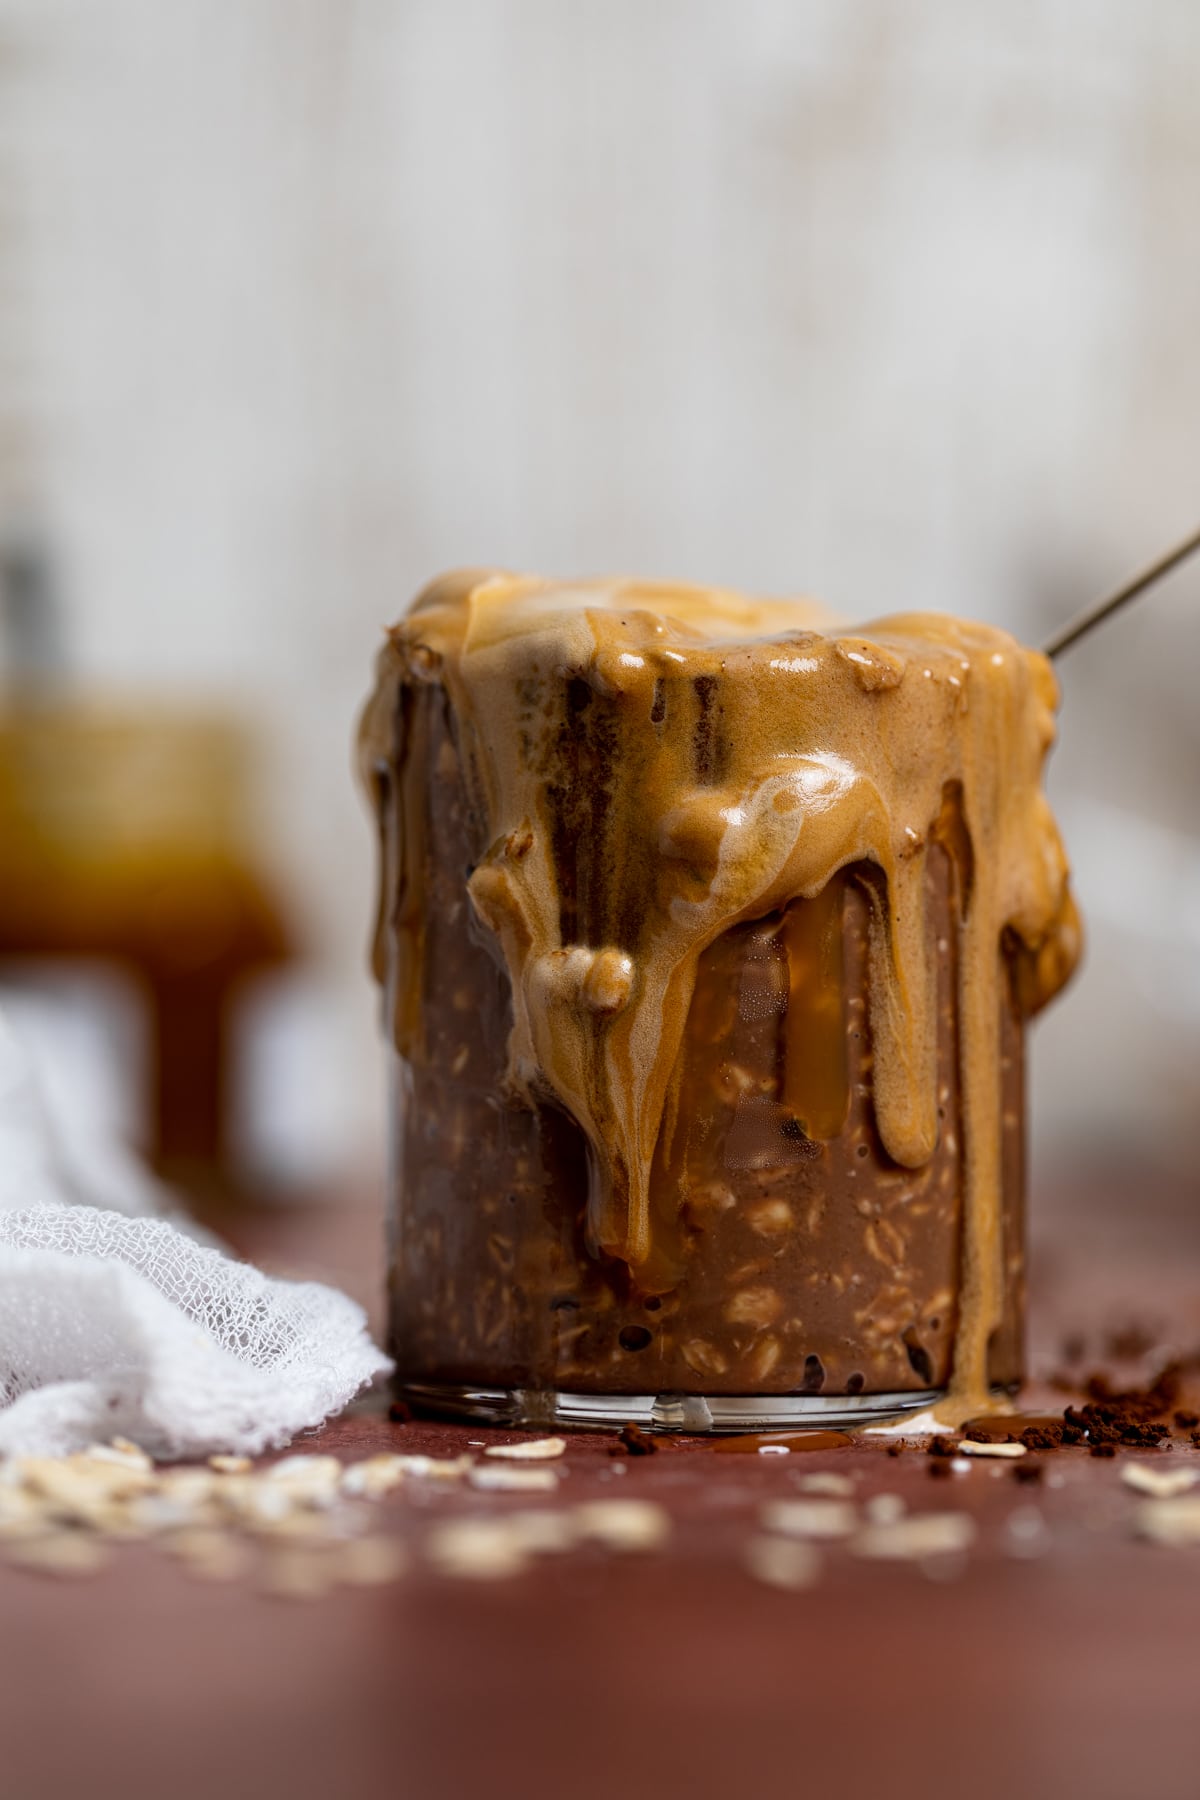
point(123, 843)
point(894, 303)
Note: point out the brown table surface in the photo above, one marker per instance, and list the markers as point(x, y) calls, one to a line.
point(1072, 1671)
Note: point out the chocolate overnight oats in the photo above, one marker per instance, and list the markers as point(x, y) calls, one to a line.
point(707, 940)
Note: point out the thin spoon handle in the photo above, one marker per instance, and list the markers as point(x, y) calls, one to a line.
point(1071, 633)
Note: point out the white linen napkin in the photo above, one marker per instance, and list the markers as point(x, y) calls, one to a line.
point(118, 1318)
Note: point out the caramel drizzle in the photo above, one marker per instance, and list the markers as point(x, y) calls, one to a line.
point(737, 759)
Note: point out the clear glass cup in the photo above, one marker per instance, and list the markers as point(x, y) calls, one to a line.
point(805, 1279)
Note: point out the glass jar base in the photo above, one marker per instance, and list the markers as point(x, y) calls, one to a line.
point(693, 1414)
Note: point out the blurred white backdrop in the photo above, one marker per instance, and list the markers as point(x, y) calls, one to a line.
point(304, 300)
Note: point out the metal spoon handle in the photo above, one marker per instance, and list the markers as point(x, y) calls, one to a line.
point(1071, 633)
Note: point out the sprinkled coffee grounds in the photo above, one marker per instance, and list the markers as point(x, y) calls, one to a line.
point(1111, 1425)
point(1136, 1418)
point(1127, 1344)
point(1042, 1437)
point(1145, 1436)
point(1151, 1402)
point(898, 1449)
point(1109, 1419)
point(636, 1442)
point(1027, 1473)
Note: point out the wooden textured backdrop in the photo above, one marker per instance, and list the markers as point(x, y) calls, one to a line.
point(304, 300)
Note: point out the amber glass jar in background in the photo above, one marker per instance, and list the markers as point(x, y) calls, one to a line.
point(122, 842)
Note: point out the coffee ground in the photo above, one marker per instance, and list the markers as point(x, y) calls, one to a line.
point(636, 1442)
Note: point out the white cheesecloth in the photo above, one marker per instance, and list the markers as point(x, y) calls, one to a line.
point(118, 1321)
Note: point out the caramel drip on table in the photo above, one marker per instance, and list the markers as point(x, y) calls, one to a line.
point(655, 764)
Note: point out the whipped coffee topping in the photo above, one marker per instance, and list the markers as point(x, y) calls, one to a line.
point(755, 752)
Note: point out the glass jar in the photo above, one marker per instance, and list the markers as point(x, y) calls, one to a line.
point(817, 1279)
point(800, 1275)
